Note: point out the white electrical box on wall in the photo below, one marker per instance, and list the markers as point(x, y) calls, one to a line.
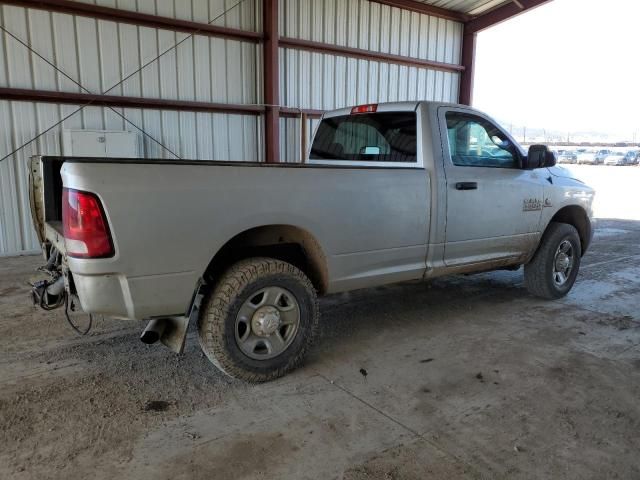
point(100, 143)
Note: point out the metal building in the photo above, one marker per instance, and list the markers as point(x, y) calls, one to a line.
point(216, 79)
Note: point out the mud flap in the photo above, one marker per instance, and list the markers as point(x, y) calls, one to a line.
point(175, 333)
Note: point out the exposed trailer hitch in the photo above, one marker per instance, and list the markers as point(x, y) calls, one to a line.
point(50, 294)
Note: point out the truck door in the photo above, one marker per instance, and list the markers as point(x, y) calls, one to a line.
point(493, 205)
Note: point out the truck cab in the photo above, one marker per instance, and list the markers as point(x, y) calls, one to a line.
point(490, 202)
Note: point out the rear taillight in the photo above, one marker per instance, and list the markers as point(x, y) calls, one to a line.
point(86, 233)
point(371, 108)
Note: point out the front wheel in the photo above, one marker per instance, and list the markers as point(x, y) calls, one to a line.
point(260, 320)
point(554, 268)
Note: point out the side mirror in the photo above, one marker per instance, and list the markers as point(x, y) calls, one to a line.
point(539, 156)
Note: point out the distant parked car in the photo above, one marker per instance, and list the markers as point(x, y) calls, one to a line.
point(616, 158)
point(601, 155)
point(567, 157)
point(632, 157)
point(587, 158)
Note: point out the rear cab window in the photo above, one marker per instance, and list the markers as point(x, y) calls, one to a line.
point(381, 138)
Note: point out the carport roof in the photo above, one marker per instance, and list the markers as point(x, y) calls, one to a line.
point(477, 15)
point(469, 7)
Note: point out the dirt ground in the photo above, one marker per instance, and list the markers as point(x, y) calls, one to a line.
point(466, 377)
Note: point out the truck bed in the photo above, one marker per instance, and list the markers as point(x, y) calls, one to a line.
point(169, 218)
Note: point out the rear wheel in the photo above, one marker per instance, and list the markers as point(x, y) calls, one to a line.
point(554, 268)
point(260, 320)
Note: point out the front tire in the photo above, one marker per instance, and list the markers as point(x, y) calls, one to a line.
point(554, 268)
point(260, 320)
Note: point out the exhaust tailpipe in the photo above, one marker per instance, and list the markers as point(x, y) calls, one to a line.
point(153, 331)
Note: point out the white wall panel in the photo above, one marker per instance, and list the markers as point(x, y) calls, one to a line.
point(328, 82)
point(372, 26)
point(246, 15)
point(99, 54)
point(325, 81)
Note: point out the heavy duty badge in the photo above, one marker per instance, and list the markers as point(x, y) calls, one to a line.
point(532, 205)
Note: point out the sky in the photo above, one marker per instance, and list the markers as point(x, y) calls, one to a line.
point(570, 65)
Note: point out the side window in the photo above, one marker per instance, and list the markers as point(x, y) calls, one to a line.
point(476, 142)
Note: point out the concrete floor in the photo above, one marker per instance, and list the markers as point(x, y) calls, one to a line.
point(467, 377)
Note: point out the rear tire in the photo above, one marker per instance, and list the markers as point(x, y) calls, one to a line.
point(260, 320)
point(554, 268)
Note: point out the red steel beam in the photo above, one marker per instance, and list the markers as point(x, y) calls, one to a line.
point(501, 14)
point(136, 18)
point(468, 62)
point(47, 96)
point(117, 101)
point(367, 54)
point(426, 9)
point(271, 81)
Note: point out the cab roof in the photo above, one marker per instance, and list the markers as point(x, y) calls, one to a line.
point(389, 107)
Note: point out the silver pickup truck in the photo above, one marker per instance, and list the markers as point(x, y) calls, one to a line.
point(389, 193)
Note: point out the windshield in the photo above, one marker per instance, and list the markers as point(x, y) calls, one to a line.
point(371, 137)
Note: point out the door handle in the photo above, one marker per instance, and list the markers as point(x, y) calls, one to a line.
point(466, 186)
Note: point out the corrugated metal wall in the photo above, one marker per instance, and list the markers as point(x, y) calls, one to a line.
point(100, 53)
point(324, 82)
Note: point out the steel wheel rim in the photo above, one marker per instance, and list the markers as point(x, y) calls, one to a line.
point(267, 323)
point(563, 262)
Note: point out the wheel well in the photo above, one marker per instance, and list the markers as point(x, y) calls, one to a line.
point(283, 242)
point(576, 216)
